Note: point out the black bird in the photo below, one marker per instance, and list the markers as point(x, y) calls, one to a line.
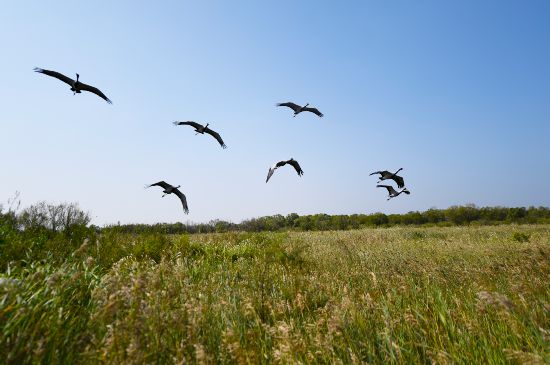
point(385, 175)
point(169, 189)
point(292, 162)
point(199, 128)
point(76, 86)
point(298, 109)
point(393, 193)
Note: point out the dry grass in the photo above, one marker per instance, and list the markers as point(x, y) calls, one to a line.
point(397, 295)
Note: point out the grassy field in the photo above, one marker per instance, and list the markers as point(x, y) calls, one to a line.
point(397, 295)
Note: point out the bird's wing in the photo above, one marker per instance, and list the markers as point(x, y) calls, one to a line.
point(183, 200)
point(192, 124)
point(296, 166)
point(216, 135)
point(313, 110)
point(94, 90)
point(162, 184)
point(376, 172)
point(55, 74)
point(270, 172)
point(291, 106)
point(390, 188)
point(399, 180)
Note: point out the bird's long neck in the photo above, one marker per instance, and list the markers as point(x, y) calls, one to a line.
point(77, 77)
point(395, 173)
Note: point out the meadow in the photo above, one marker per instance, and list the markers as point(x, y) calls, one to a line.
point(380, 295)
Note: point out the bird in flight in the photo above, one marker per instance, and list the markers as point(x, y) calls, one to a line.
point(76, 86)
point(199, 128)
point(169, 189)
point(392, 192)
point(292, 162)
point(298, 109)
point(385, 175)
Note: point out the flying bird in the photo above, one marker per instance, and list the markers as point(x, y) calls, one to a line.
point(169, 189)
point(298, 109)
point(76, 86)
point(199, 128)
point(392, 192)
point(292, 162)
point(385, 175)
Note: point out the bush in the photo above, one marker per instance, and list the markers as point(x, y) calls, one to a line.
point(151, 246)
point(520, 237)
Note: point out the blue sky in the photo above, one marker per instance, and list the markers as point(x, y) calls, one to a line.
point(455, 92)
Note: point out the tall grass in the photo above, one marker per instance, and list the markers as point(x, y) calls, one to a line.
point(398, 295)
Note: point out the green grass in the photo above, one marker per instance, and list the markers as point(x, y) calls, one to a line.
point(399, 295)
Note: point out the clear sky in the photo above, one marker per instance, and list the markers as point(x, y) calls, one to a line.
point(455, 92)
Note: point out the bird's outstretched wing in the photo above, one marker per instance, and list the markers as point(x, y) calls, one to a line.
point(391, 190)
point(183, 200)
point(192, 124)
point(273, 168)
point(55, 74)
point(399, 180)
point(377, 172)
point(296, 166)
point(271, 171)
point(290, 105)
point(215, 135)
point(94, 90)
point(162, 184)
point(313, 110)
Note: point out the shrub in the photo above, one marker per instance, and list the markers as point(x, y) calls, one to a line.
point(520, 237)
point(151, 246)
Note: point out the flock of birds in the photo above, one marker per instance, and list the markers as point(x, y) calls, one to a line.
point(77, 87)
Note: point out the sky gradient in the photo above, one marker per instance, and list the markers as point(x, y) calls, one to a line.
point(455, 92)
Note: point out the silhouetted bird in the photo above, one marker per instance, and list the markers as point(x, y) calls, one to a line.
point(76, 86)
point(169, 189)
point(392, 192)
point(292, 162)
point(385, 175)
point(298, 109)
point(199, 128)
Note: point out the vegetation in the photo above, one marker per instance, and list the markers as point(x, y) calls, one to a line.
point(476, 294)
point(453, 216)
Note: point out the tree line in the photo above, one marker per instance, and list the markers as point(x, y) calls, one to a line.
point(452, 216)
point(69, 219)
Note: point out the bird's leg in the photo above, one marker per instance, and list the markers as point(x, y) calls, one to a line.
point(163, 195)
